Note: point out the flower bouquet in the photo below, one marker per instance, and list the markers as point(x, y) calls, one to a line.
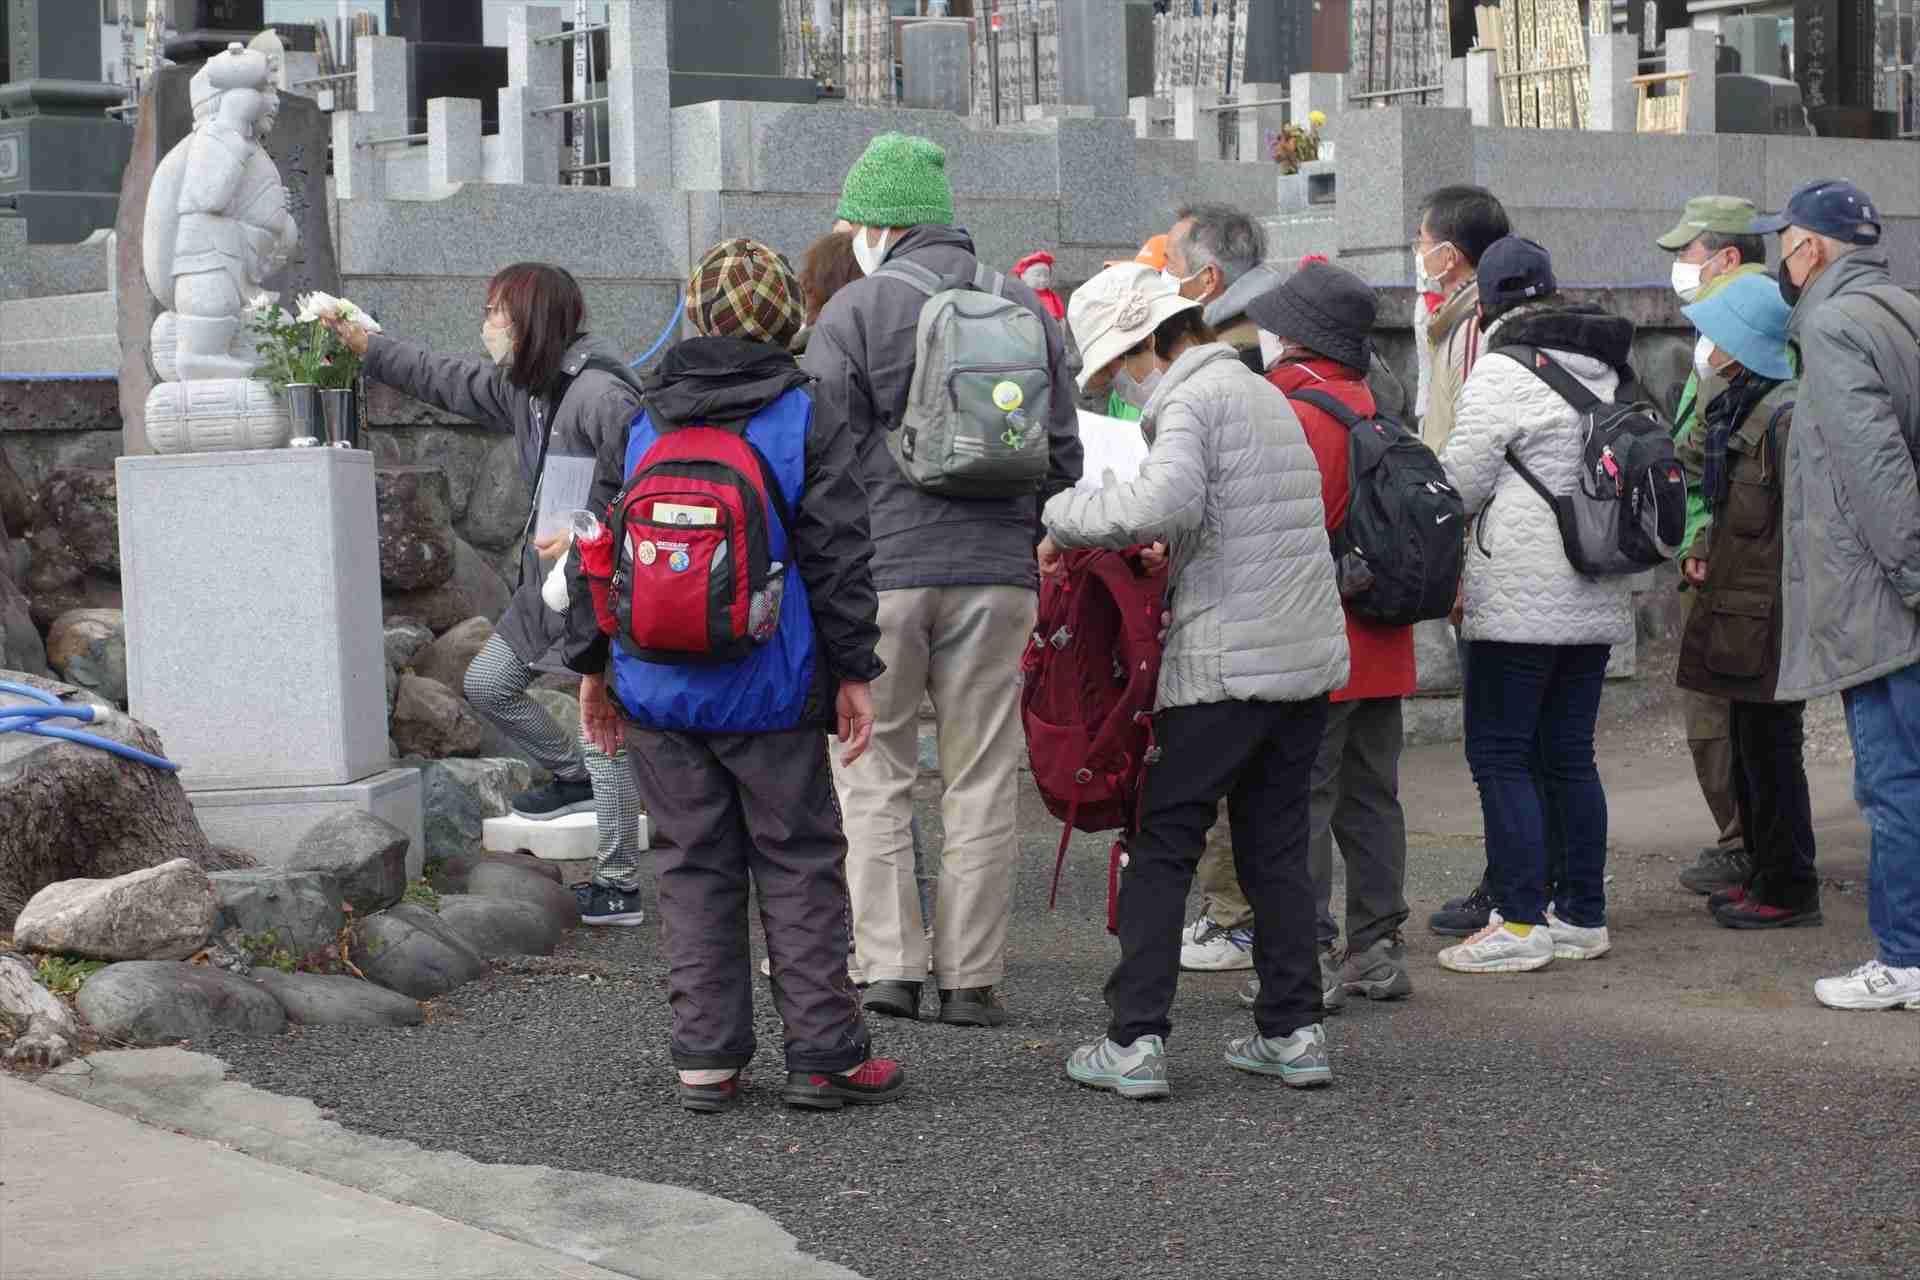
point(299, 350)
point(1295, 146)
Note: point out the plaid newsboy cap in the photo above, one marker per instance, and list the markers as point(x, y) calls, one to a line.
point(743, 289)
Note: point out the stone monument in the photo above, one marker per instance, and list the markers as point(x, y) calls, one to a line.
point(937, 67)
point(60, 155)
point(206, 27)
point(217, 224)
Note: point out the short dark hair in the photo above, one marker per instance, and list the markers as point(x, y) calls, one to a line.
point(1225, 237)
point(1468, 218)
point(1182, 324)
point(548, 314)
point(1750, 248)
point(827, 267)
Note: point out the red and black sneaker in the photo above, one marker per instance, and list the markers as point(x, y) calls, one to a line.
point(873, 1081)
point(708, 1099)
point(1726, 898)
point(1751, 913)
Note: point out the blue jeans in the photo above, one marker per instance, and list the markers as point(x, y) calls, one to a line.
point(1530, 715)
point(1883, 719)
point(1556, 845)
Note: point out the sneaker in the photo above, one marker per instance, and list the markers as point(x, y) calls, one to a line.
point(1137, 1071)
point(1300, 1060)
point(612, 907)
point(893, 998)
point(1332, 995)
point(1872, 986)
point(972, 1007)
point(1379, 972)
point(1498, 949)
point(555, 800)
point(1463, 917)
point(766, 966)
point(1751, 913)
point(1717, 868)
point(1250, 994)
point(874, 1081)
point(1726, 898)
point(1211, 948)
point(1571, 942)
point(708, 1097)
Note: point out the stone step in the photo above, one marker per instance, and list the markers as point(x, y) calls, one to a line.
point(573, 838)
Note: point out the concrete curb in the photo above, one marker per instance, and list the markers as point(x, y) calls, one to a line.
point(644, 1230)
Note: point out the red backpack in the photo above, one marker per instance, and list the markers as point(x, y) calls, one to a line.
point(1088, 680)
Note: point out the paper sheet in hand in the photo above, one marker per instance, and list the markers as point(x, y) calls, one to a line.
point(1109, 444)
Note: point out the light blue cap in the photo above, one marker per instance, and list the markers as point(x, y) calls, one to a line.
point(1748, 321)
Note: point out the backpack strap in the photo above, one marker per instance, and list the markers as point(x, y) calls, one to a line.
point(1526, 473)
point(1893, 311)
point(926, 281)
point(1564, 384)
point(988, 282)
point(1329, 406)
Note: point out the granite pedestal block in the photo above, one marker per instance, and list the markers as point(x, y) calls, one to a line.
point(573, 838)
point(252, 589)
point(269, 822)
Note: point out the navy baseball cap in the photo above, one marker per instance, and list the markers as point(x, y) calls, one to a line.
point(1830, 206)
point(1514, 269)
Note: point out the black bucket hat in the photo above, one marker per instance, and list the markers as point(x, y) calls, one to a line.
point(1323, 308)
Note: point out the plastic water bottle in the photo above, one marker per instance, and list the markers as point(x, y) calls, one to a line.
point(763, 611)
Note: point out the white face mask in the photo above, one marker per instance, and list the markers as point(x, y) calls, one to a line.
point(1175, 282)
point(1426, 282)
point(1037, 277)
point(1271, 349)
point(1135, 391)
point(498, 340)
point(869, 256)
point(1702, 357)
point(1686, 280)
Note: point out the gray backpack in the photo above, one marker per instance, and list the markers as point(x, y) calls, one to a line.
point(975, 425)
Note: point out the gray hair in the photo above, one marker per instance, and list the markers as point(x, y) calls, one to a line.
point(1221, 236)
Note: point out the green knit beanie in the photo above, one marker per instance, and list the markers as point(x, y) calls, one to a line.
point(899, 181)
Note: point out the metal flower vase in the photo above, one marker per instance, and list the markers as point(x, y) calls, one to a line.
point(342, 411)
point(304, 411)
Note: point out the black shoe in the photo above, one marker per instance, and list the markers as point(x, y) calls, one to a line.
point(874, 1081)
point(1751, 913)
point(555, 800)
point(1463, 917)
point(611, 907)
point(893, 998)
point(1726, 898)
point(1717, 869)
point(972, 1007)
point(709, 1099)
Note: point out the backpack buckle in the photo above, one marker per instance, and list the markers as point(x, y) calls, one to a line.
point(1152, 756)
point(1083, 777)
point(1061, 638)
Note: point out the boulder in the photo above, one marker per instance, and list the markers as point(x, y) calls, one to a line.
point(45, 1033)
point(497, 509)
point(563, 707)
point(327, 1000)
point(457, 454)
point(365, 856)
point(448, 658)
point(410, 951)
point(458, 869)
point(461, 794)
point(161, 913)
point(42, 1045)
point(157, 1001)
point(90, 592)
point(516, 884)
point(416, 527)
point(17, 512)
point(83, 503)
point(89, 648)
point(405, 638)
point(475, 590)
point(55, 567)
point(20, 646)
point(430, 720)
point(302, 909)
point(497, 926)
point(1436, 656)
point(69, 811)
point(392, 679)
point(480, 582)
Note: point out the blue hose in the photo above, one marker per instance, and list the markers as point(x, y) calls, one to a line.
point(30, 720)
point(666, 334)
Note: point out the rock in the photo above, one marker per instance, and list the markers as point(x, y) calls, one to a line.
point(155, 1001)
point(83, 503)
point(16, 504)
point(1661, 614)
point(56, 567)
point(1436, 657)
point(430, 720)
point(365, 856)
point(448, 658)
point(20, 646)
point(89, 648)
point(458, 869)
point(563, 707)
point(480, 582)
point(497, 509)
point(497, 926)
point(499, 880)
point(392, 679)
point(70, 812)
point(43, 1045)
point(458, 454)
point(461, 794)
point(302, 909)
point(87, 592)
point(410, 951)
point(1429, 720)
point(161, 913)
point(42, 1020)
point(416, 527)
point(326, 1000)
point(475, 590)
point(405, 638)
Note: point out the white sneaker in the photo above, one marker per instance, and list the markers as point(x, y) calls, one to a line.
point(1571, 942)
point(1872, 986)
point(1207, 946)
point(1498, 949)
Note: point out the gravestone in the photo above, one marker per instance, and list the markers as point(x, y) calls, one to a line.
point(1092, 57)
point(937, 67)
point(730, 51)
point(1139, 51)
point(1279, 40)
point(436, 21)
point(60, 157)
point(447, 57)
point(208, 26)
point(1833, 61)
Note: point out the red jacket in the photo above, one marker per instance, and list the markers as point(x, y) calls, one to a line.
point(1382, 656)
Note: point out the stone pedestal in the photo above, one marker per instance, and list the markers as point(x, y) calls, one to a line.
point(269, 822)
point(574, 838)
point(60, 158)
point(1615, 61)
point(1695, 52)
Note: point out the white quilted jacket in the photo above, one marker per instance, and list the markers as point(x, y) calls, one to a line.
point(1519, 586)
point(1232, 487)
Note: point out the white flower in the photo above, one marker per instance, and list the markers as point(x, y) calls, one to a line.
point(351, 311)
point(317, 306)
point(262, 302)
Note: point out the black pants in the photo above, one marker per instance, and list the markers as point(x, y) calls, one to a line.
point(1259, 755)
point(1770, 791)
point(728, 806)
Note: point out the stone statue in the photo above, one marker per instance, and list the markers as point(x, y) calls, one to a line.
point(216, 226)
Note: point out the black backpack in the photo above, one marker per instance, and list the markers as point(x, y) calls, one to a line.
point(1398, 555)
point(1628, 510)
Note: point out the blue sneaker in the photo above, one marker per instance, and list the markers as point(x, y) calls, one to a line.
point(1137, 1071)
point(612, 907)
point(1300, 1060)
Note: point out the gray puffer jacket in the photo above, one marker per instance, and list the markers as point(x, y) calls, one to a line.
point(1520, 587)
point(1232, 488)
point(1851, 571)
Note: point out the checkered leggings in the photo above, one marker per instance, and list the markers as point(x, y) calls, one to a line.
point(496, 686)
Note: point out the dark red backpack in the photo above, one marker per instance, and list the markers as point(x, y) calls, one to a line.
point(1088, 680)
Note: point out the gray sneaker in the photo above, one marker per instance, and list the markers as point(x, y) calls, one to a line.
point(1378, 973)
point(1333, 994)
point(1137, 1071)
point(1716, 869)
point(1300, 1060)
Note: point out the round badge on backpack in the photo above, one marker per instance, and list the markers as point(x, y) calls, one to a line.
point(646, 553)
point(1007, 396)
point(678, 562)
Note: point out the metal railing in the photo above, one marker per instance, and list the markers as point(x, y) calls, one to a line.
point(398, 139)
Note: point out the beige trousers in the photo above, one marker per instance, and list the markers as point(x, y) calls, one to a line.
point(1220, 896)
point(961, 647)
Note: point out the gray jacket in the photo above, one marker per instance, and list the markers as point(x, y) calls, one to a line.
point(1851, 572)
point(596, 406)
point(1232, 487)
point(862, 352)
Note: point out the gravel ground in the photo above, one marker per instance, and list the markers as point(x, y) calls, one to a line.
point(1680, 1108)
